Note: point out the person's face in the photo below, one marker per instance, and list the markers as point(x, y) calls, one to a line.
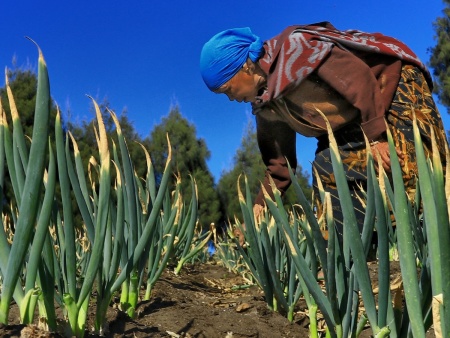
point(242, 87)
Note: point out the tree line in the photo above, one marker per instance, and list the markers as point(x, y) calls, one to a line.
point(218, 203)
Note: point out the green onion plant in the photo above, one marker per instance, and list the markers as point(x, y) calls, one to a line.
point(417, 226)
point(130, 224)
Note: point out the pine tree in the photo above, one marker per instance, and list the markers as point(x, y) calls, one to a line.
point(189, 156)
point(440, 56)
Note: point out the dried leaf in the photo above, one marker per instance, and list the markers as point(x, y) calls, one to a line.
point(243, 307)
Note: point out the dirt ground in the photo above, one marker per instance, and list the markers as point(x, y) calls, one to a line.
point(204, 301)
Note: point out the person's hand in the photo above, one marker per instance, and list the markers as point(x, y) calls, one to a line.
point(240, 236)
point(257, 212)
point(381, 149)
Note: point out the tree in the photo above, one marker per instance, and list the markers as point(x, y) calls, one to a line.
point(440, 56)
point(189, 156)
point(85, 136)
point(23, 84)
point(248, 162)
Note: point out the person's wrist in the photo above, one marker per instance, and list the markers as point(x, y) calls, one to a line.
point(379, 139)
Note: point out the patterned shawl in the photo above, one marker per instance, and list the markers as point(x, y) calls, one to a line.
point(294, 54)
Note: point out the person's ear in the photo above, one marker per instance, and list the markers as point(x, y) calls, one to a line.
point(249, 67)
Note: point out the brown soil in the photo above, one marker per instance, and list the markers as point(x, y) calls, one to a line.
point(203, 301)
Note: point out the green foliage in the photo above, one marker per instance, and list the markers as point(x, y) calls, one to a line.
point(440, 56)
point(128, 222)
point(423, 238)
point(84, 133)
point(228, 255)
point(189, 157)
point(27, 173)
point(248, 161)
point(23, 84)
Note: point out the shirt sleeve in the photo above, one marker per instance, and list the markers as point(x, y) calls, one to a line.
point(354, 80)
point(277, 143)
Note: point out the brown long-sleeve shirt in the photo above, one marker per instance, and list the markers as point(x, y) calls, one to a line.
point(349, 83)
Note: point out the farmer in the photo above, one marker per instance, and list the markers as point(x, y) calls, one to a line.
point(363, 83)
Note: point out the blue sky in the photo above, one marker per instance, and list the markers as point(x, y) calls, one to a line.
point(143, 55)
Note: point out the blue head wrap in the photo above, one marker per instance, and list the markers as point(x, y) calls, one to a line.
point(225, 54)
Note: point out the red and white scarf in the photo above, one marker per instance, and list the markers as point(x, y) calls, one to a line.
point(295, 53)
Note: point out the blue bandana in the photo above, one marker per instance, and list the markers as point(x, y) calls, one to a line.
point(225, 54)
